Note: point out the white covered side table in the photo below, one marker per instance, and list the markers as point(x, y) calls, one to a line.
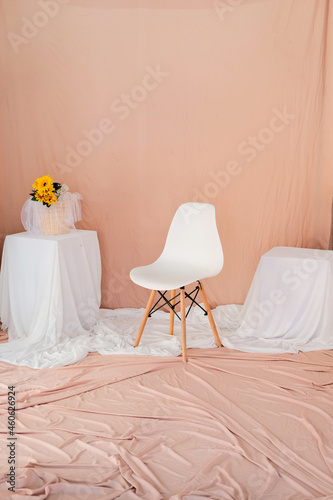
point(50, 291)
point(289, 306)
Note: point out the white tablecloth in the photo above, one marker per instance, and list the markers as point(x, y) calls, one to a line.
point(49, 296)
point(289, 306)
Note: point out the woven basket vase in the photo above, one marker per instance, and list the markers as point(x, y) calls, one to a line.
point(52, 220)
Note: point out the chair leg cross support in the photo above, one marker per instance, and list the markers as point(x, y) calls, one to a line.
point(150, 309)
point(170, 303)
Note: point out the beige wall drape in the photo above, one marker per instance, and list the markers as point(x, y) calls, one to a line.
point(143, 105)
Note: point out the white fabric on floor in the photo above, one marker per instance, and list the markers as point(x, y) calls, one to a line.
point(288, 308)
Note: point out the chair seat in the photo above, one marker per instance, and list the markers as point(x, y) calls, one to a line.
point(168, 275)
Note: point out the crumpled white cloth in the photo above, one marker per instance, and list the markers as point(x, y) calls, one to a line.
point(113, 333)
point(288, 308)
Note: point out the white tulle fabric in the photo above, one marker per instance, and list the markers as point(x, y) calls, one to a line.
point(56, 219)
point(288, 308)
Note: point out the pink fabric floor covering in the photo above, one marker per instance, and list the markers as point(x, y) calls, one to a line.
point(226, 425)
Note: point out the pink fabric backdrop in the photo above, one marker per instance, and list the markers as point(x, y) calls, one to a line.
point(143, 105)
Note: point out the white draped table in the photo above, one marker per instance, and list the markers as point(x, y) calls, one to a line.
point(289, 306)
point(50, 292)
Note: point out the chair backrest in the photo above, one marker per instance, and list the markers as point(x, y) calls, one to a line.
point(193, 239)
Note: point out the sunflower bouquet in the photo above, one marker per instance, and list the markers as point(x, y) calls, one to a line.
point(57, 210)
point(46, 191)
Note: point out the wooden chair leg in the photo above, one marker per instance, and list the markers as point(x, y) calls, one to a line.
point(183, 322)
point(145, 316)
point(172, 314)
point(210, 316)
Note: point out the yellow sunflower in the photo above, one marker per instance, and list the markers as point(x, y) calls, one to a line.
point(49, 197)
point(38, 197)
point(52, 199)
point(43, 184)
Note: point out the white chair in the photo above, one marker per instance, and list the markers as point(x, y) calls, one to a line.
point(192, 252)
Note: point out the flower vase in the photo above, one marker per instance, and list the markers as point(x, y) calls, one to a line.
point(52, 219)
point(59, 218)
